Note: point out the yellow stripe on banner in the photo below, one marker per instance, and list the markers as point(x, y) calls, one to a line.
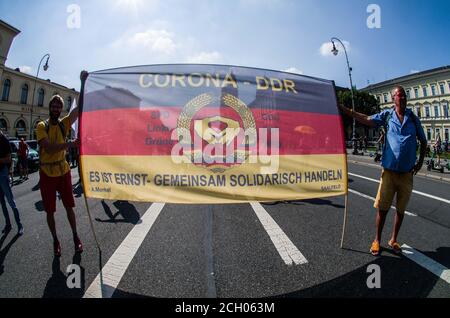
point(160, 179)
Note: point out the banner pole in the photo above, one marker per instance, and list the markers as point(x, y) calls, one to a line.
point(345, 220)
point(83, 77)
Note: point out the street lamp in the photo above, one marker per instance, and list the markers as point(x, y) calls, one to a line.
point(335, 52)
point(45, 67)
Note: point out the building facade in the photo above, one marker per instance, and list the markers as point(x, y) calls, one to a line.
point(428, 95)
point(24, 98)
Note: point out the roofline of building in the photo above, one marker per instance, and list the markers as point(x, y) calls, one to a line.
point(407, 77)
point(10, 27)
point(31, 77)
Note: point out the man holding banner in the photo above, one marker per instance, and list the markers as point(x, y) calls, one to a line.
point(398, 161)
point(54, 169)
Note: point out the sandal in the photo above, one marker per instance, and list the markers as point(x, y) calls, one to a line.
point(395, 246)
point(375, 248)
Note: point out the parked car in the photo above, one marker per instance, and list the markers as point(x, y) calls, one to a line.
point(33, 144)
point(33, 156)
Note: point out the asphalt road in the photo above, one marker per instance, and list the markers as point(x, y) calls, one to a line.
point(225, 251)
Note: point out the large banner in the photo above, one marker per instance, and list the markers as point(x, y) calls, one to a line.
point(210, 134)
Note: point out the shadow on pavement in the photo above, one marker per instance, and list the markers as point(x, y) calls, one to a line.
point(316, 202)
point(4, 251)
point(307, 201)
point(39, 206)
point(400, 278)
point(36, 187)
point(56, 286)
point(442, 256)
point(78, 189)
point(125, 209)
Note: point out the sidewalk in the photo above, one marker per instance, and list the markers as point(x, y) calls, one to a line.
point(368, 160)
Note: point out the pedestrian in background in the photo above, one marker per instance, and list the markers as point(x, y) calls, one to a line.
point(5, 188)
point(22, 155)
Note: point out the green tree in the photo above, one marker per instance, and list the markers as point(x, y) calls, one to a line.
point(364, 103)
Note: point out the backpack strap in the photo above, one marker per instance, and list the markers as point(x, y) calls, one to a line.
point(388, 118)
point(61, 127)
point(47, 128)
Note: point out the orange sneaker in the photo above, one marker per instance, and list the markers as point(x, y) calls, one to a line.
point(395, 246)
point(375, 248)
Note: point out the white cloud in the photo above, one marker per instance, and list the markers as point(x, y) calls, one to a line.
point(135, 6)
point(413, 71)
point(157, 41)
point(205, 58)
point(293, 70)
point(325, 48)
point(25, 69)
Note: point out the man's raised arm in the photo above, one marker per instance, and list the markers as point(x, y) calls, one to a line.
point(73, 116)
point(361, 118)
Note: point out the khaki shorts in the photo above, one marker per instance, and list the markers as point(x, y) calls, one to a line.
point(392, 183)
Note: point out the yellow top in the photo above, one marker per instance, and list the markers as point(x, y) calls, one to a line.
point(55, 164)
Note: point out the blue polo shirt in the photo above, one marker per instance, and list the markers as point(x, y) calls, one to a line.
point(399, 152)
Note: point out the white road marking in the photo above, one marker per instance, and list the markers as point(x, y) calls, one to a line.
point(424, 261)
point(414, 191)
point(287, 250)
point(108, 279)
point(437, 269)
point(373, 199)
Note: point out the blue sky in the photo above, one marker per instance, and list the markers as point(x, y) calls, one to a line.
point(273, 34)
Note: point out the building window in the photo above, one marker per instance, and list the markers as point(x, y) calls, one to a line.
point(428, 133)
point(433, 90)
point(424, 91)
point(446, 134)
point(408, 94)
point(20, 127)
point(69, 103)
point(6, 90)
point(418, 112)
point(3, 125)
point(436, 111)
point(442, 88)
point(385, 98)
point(416, 92)
point(24, 94)
point(427, 111)
point(41, 95)
point(438, 133)
point(445, 107)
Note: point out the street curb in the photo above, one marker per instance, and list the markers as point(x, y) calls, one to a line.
point(419, 174)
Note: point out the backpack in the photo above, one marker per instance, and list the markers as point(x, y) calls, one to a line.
point(47, 128)
point(61, 127)
point(388, 118)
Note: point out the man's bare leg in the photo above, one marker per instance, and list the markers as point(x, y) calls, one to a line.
point(51, 225)
point(73, 225)
point(72, 221)
point(397, 224)
point(380, 220)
